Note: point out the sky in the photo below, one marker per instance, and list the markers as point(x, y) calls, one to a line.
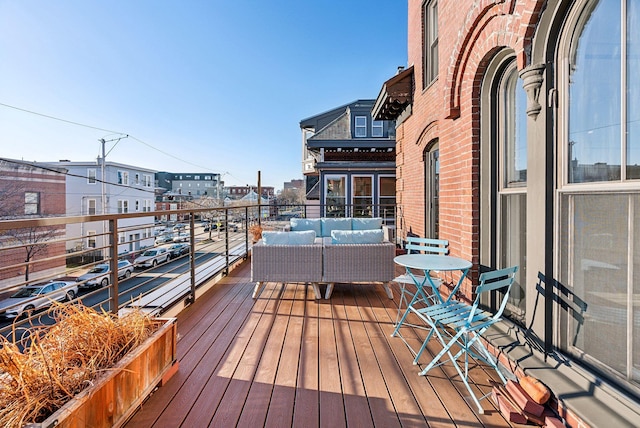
point(198, 86)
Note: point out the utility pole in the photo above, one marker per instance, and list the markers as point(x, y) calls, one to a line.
point(103, 194)
point(103, 143)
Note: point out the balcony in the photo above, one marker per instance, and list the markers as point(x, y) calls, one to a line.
point(287, 359)
point(284, 359)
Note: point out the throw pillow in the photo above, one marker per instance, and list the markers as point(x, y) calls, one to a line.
point(366, 223)
point(329, 224)
point(288, 238)
point(298, 224)
point(374, 236)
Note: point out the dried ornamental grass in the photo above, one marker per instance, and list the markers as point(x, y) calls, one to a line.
point(61, 361)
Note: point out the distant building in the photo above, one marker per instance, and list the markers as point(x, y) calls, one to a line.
point(194, 184)
point(123, 189)
point(239, 192)
point(29, 190)
point(293, 184)
point(349, 161)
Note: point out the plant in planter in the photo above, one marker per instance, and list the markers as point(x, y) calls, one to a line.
point(67, 360)
point(256, 232)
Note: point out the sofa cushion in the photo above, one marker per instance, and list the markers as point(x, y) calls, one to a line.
point(374, 236)
point(305, 237)
point(298, 224)
point(329, 224)
point(366, 223)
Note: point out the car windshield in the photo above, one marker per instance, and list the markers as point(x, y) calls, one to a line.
point(149, 253)
point(99, 269)
point(28, 292)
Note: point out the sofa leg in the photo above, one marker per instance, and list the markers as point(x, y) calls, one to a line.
point(329, 290)
point(316, 290)
point(388, 290)
point(256, 290)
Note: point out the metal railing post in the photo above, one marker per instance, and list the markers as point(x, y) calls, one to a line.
point(246, 233)
point(113, 262)
point(226, 240)
point(192, 258)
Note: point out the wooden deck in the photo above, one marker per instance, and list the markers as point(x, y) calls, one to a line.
point(287, 359)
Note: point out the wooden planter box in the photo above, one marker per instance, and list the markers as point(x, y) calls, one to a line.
point(114, 397)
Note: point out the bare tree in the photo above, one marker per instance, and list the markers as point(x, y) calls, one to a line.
point(292, 196)
point(33, 240)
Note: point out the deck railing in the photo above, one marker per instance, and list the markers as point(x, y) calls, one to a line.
point(38, 250)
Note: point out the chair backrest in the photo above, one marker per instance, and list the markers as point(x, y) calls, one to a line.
point(495, 280)
point(426, 245)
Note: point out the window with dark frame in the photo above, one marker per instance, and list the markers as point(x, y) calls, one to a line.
point(429, 41)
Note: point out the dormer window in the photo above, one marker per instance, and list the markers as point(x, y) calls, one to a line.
point(361, 126)
point(377, 128)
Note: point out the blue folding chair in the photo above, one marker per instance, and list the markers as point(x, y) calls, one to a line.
point(416, 245)
point(456, 323)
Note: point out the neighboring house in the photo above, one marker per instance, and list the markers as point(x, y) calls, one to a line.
point(349, 162)
point(28, 190)
point(195, 184)
point(123, 189)
point(519, 142)
point(293, 184)
point(239, 192)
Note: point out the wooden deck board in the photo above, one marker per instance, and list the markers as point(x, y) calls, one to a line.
point(286, 359)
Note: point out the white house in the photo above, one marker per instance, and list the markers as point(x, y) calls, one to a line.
point(120, 189)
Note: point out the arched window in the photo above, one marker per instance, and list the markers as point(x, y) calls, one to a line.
point(511, 135)
point(503, 176)
point(599, 191)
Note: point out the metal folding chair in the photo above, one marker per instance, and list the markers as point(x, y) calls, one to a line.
point(423, 246)
point(458, 324)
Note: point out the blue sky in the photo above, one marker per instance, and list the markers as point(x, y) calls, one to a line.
point(201, 86)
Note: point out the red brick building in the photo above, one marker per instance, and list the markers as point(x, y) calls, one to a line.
point(518, 141)
point(28, 190)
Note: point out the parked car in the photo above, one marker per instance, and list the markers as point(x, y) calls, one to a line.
point(37, 296)
point(152, 257)
point(163, 239)
point(221, 227)
point(181, 237)
point(178, 249)
point(179, 227)
point(99, 274)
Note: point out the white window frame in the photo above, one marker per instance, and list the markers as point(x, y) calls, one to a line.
point(147, 180)
point(380, 196)
point(95, 206)
point(32, 203)
point(343, 178)
point(123, 206)
point(377, 128)
point(356, 200)
point(123, 177)
point(92, 239)
point(360, 130)
point(92, 176)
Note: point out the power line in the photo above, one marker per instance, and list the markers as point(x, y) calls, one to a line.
point(69, 174)
point(71, 122)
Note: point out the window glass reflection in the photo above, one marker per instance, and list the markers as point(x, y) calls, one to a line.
point(595, 97)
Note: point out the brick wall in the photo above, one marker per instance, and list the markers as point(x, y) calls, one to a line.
point(16, 178)
point(470, 33)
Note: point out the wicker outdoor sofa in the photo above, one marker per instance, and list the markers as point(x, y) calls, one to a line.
point(324, 251)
